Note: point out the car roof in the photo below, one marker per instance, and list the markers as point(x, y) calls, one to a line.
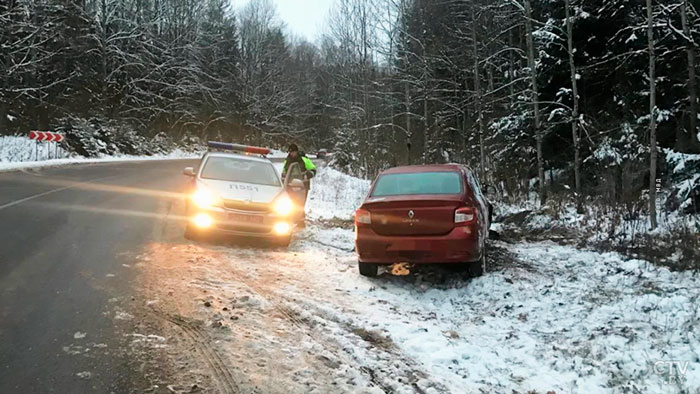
point(425, 168)
point(239, 156)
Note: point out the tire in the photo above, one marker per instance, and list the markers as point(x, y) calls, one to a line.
point(368, 269)
point(283, 242)
point(478, 268)
point(301, 222)
point(191, 233)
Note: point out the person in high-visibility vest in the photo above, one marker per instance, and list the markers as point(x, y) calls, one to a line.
point(307, 167)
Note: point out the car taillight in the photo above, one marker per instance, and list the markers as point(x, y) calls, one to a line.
point(362, 217)
point(465, 216)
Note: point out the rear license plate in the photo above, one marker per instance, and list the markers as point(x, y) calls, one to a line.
point(243, 218)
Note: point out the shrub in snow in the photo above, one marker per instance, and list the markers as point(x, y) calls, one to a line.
point(510, 139)
point(162, 143)
point(685, 179)
point(191, 143)
point(97, 137)
point(620, 167)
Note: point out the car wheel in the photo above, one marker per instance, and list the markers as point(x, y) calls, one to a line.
point(191, 233)
point(301, 222)
point(368, 269)
point(478, 268)
point(283, 242)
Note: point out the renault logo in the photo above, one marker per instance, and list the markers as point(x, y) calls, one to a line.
point(411, 214)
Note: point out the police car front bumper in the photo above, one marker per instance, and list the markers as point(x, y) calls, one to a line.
point(242, 223)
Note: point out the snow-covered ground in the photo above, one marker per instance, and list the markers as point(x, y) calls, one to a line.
point(21, 153)
point(554, 318)
point(21, 149)
point(335, 195)
point(597, 225)
point(545, 318)
point(601, 221)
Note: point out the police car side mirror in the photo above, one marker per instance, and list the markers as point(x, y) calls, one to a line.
point(188, 171)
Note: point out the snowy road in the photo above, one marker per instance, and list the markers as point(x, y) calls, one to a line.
point(242, 317)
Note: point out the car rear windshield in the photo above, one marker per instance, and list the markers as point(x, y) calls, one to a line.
point(238, 170)
point(418, 183)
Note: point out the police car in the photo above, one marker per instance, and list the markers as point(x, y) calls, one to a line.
point(237, 191)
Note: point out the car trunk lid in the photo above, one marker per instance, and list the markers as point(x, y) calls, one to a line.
point(412, 215)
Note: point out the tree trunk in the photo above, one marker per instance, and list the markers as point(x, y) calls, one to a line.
point(477, 88)
point(574, 112)
point(511, 71)
point(535, 99)
point(3, 117)
point(692, 93)
point(652, 116)
point(426, 130)
point(408, 124)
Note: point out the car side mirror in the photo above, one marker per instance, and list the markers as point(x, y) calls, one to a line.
point(188, 171)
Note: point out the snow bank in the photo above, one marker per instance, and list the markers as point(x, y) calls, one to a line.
point(20, 149)
point(335, 195)
point(20, 153)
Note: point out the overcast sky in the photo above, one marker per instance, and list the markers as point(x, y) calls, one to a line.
point(304, 18)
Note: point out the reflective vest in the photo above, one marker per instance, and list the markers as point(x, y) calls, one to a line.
point(308, 164)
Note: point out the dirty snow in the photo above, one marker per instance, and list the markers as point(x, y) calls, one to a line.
point(84, 375)
point(79, 335)
point(545, 318)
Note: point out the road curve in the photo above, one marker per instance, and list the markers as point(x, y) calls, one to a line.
point(64, 232)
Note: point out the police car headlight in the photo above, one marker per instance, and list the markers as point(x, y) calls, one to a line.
point(203, 198)
point(284, 206)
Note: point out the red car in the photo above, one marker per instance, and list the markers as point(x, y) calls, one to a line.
point(423, 215)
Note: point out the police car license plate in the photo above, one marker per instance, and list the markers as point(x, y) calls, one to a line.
point(240, 217)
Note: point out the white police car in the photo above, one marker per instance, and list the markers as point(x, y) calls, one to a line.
point(236, 190)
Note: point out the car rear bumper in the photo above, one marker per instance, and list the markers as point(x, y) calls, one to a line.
point(228, 222)
point(461, 245)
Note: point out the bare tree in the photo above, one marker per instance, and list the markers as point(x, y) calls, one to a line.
point(535, 98)
point(692, 92)
point(575, 98)
point(652, 115)
point(479, 96)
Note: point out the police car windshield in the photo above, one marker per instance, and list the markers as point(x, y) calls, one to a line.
point(232, 169)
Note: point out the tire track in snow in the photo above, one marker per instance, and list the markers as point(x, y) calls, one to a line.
point(201, 341)
point(413, 373)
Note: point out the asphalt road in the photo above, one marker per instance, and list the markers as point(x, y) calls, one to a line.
point(63, 232)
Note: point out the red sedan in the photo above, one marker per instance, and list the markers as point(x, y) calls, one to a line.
point(423, 215)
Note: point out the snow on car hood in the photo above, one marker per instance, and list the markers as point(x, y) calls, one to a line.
point(238, 191)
